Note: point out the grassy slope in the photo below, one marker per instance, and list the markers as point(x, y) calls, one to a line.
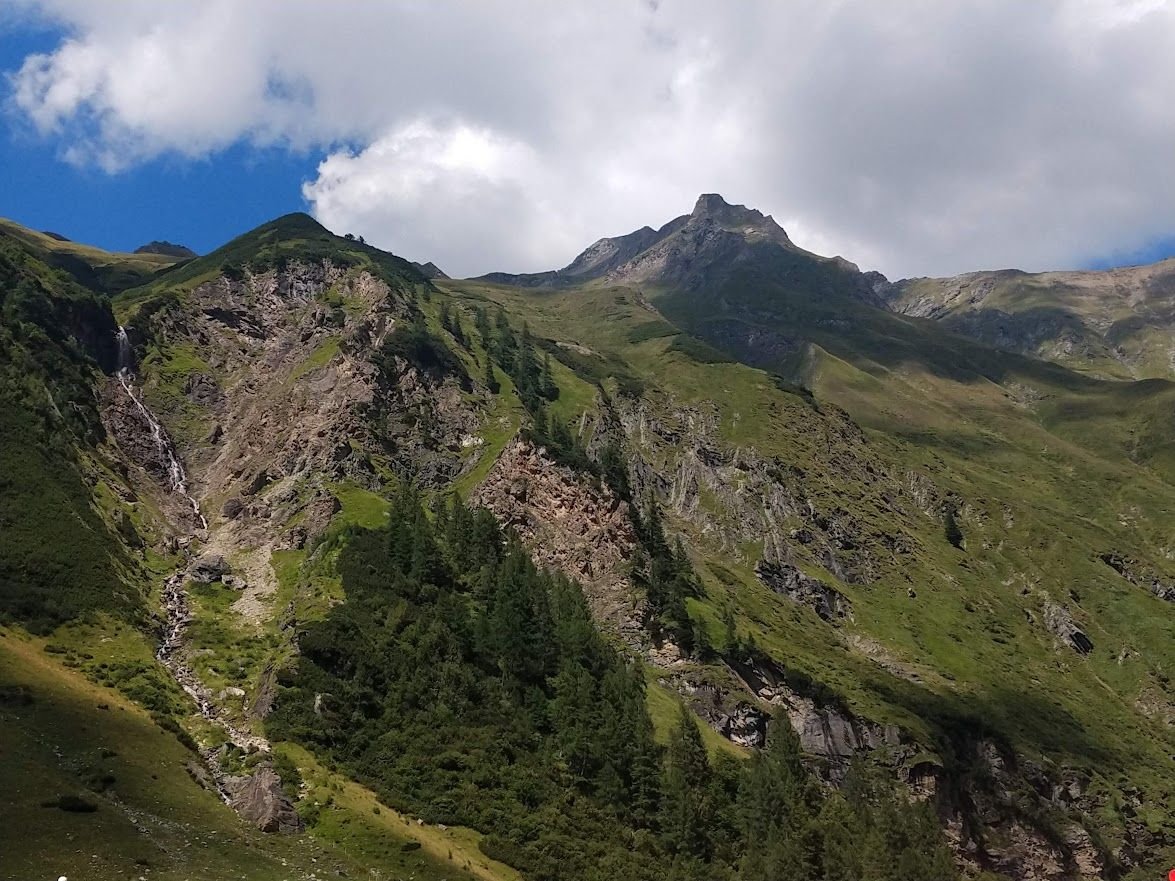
point(105, 271)
point(294, 236)
point(1050, 446)
point(1119, 319)
point(83, 686)
point(64, 734)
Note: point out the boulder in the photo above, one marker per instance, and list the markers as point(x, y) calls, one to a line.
point(260, 800)
point(209, 568)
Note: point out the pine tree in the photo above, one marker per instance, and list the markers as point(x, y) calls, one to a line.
point(489, 379)
point(614, 471)
point(482, 322)
point(775, 804)
point(547, 387)
point(685, 793)
point(841, 833)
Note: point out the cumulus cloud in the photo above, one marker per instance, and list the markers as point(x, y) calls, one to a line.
point(914, 136)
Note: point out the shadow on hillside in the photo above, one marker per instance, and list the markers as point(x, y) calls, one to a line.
point(1004, 717)
point(783, 300)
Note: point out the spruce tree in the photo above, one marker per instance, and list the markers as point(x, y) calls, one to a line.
point(685, 792)
point(489, 379)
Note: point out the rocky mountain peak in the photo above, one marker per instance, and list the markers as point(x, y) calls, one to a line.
point(751, 223)
point(167, 249)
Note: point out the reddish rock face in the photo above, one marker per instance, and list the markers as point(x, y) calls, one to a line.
point(572, 526)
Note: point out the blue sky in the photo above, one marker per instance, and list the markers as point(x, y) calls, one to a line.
point(913, 139)
point(199, 203)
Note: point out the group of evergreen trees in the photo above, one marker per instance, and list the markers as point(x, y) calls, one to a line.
point(668, 577)
point(468, 687)
point(518, 356)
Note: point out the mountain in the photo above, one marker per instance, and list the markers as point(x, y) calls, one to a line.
point(1115, 323)
point(692, 559)
point(714, 235)
point(167, 249)
point(429, 270)
point(93, 268)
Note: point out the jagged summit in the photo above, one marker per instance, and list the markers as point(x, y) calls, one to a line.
point(626, 258)
point(712, 207)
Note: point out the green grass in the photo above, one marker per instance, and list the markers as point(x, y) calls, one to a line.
point(1116, 336)
point(322, 355)
point(292, 237)
point(356, 822)
point(1083, 467)
point(170, 368)
point(104, 271)
point(665, 711)
point(360, 507)
point(67, 736)
point(1049, 469)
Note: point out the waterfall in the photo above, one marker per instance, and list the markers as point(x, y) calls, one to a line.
point(126, 363)
point(175, 600)
point(176, 476)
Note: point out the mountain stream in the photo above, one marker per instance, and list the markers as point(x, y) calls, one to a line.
point(175, 598)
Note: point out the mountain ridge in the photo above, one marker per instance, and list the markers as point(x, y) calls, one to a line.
point(786, 502)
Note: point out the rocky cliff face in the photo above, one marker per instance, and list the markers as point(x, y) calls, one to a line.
point(735, 495)
point(572, 526)
point(581, 529)
point(269, 385)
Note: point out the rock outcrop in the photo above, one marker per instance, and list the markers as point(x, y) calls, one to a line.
point(1136, 573)
point(259, 799)
point(573, 526)
point(1060, 623)
point(786, 580)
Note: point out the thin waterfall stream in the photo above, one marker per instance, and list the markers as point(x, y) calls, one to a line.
point(176, 475)
point(175, 598)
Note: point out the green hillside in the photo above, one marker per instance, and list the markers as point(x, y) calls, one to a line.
point(711, 566)
point(103, 271)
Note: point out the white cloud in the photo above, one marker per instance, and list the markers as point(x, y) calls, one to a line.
point(913, 136)
point(425, 186)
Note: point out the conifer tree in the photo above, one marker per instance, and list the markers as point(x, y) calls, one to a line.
point(481, 321)
point(685, 798)
point(489, 380)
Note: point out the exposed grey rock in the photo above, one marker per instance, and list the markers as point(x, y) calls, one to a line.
point(260, 800)
point(209, 568)
point(1138, 574)
point(786, 580)
point(1060, 623)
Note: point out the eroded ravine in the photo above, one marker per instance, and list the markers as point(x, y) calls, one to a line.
point(171, 651)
